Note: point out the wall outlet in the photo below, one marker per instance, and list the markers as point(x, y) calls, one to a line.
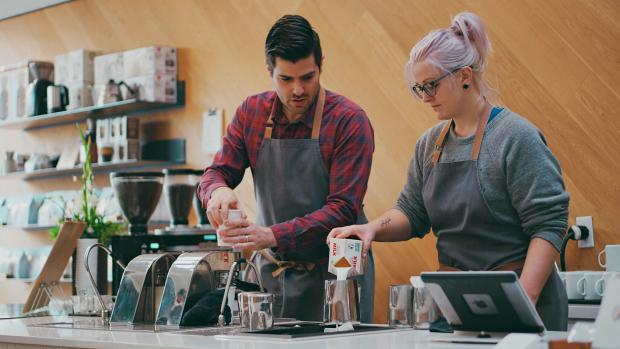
point(586, 221)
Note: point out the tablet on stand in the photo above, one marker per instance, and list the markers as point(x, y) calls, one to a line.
point(482, 306)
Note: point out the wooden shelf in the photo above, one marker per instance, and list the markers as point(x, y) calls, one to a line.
point(126, 107)
point(125, 166)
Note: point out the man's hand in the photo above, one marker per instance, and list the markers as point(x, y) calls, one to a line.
point(247, 235)
point(222, 199)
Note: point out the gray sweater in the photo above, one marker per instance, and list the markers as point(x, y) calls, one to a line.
point(520, 178)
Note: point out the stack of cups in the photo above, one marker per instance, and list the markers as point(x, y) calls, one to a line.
point(590, 285)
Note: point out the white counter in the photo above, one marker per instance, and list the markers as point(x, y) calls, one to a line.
point(17, 331)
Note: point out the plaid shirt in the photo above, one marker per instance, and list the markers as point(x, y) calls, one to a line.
point(346, 142)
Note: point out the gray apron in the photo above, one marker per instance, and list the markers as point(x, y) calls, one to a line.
point(291, 180)
point(468, 235)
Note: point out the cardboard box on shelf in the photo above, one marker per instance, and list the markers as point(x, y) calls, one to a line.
point(80, 94)
point(153, 60)
point(125, 150)
point(155, 88)
point(108, 67)
point(4, 97)
point(75, 67)
point(103, 131)
point(128, 128)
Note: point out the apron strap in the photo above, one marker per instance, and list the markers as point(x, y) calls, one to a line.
point(316, 122)
point(269, 127)
point(516, 266)
point(440, 141)
point(318, 114)
point(283, 265)
point(475, 149)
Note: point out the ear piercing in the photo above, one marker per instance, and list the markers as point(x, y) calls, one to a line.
point(465, 86)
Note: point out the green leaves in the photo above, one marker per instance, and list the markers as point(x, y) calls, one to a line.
point(96, 226)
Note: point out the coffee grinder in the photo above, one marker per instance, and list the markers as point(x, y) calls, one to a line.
point(138, 194)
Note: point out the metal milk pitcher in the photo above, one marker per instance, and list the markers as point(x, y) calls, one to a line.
point(425, 310)
point(341, 302)
point(400, 306)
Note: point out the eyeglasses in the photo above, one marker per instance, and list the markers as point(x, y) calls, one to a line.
point(430, 88)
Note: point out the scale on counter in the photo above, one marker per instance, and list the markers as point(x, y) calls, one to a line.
point(483, 305)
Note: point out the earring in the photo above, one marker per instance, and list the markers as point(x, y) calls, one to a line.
point(465, 86)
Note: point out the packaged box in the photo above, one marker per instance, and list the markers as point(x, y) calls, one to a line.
point(15, 78)
point(75, 67)
point(153, 60)
point(125, 150)
point(108, 67)
point(103, 131)
point(4, 96)
point(155, 88)
point(80, 94)
point(128, 128)
point(350, 250)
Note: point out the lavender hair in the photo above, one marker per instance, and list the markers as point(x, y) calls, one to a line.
point(464, 43)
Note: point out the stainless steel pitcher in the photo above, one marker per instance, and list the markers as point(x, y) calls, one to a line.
point(341, 302)
point(425, 310)
point(400, 306)
point(256, 310)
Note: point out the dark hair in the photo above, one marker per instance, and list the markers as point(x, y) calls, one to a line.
point(292, 38)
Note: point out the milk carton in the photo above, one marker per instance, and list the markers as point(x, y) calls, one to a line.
point(350, 250)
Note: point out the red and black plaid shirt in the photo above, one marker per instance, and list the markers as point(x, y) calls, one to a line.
point(346, 141)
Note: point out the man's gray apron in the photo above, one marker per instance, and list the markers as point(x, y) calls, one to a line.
point(468, 235)
point(291, 180)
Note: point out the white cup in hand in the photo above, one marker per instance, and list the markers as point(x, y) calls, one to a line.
point(232, 216)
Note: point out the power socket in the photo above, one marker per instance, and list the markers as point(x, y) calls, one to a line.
point(586, 221)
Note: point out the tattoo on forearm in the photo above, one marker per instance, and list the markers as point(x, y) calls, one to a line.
point(385, 221)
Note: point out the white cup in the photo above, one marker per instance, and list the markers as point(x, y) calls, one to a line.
point(575, 285)
point(562, 275)
point(593, 284)
point(232, 215)
point(612, 258)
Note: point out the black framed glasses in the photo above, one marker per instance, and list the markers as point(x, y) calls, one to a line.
point(430, 88)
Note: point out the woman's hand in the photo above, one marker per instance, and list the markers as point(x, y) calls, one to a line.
point(364, 232)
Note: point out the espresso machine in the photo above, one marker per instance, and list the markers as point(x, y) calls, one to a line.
point(138, 194)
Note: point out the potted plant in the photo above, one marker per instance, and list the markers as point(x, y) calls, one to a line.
point(97, 230)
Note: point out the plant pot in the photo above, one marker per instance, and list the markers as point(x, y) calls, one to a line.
point(98, 265)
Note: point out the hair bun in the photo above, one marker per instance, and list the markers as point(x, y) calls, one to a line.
point(456, 30)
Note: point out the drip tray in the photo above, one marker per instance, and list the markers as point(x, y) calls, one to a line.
point(299, 331)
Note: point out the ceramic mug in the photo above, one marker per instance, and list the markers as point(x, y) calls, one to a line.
point(593, 284)
point(574, 284)
point(612, 258)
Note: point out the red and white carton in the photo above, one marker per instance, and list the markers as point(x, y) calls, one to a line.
point(350, 249)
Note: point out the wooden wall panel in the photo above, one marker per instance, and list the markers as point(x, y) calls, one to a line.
point(555, 62)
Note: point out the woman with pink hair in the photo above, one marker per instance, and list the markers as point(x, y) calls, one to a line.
point(483, 179)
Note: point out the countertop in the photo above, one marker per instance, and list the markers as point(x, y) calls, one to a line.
point(18, 331)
